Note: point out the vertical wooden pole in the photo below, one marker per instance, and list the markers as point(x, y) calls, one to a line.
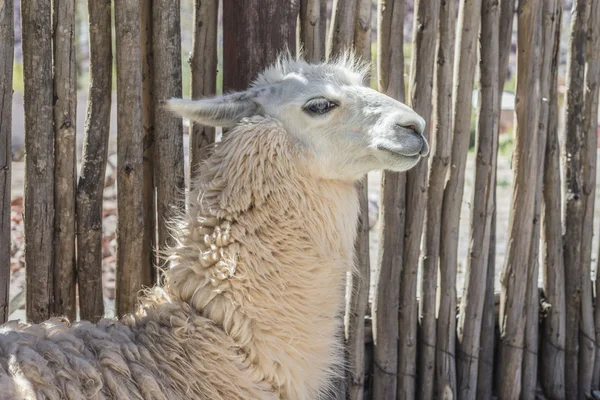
point(486, 144)
point(359, 282)
point(39, 164)
point(547, 55)
point(341, 32)
point(7, 41)
point(390, 76)
point(65, 173)
point(464, 72)
point(130, 152)
point(90, 186)
point(514, 278)
point(149, 261)
point(441, 146)
point(168, 129)
point(587, 334)
point(574, 211)
point(552, 333)
point(420, 87)
point(254, 34)
point(203, 63)
point(311, 27)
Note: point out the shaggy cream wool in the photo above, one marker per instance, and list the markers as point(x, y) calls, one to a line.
point(260, 257)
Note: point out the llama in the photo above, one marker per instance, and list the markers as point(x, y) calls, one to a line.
point(248, 308)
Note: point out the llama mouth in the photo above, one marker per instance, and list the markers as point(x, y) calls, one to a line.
point(399, 152)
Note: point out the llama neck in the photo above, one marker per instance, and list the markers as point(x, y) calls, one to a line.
point(263, 252)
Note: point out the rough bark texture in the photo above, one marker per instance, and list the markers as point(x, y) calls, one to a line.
point(390, 76)
point(485, 373)
point(7, 42)
point(420, 90)
point(311, 25)
point(149, 262)
point(39, 164)
point(464, 72)
point(574, 211)
point(440, 161)
point(514, 277)
point(130, 151)
point(168, 130)
point(359, 283)
point(341, 30)
point(548, 53)
point(203, 63)
point(552, 333)
point(65, 173)
point(587, 336)
point(254, 33)
point(93, 167)
point(482, 204)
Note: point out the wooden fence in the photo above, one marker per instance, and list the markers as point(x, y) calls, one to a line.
point(527, 342)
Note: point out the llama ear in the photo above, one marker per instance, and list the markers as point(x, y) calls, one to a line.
point(224, 111)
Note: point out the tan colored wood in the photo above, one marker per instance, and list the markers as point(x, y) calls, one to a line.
point(420, 87)
point(7, 32)
point(168, 129)
point(39, 163)
point(482, 204)
point(90, 185)
point(440, 160)
point(587, 337)
point(464, 72)
point(390, 77)
point(150, 260)
point(515, 273)
point(574, 211)
point(65, 163)
point(552, 332)
point(340, 35)
point(249, 47)
point(203, 63)
point(312, 29)
point(130, 152)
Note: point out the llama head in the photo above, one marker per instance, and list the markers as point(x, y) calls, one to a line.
point(351, 129)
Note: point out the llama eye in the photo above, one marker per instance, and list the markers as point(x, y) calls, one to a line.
point(319, 106)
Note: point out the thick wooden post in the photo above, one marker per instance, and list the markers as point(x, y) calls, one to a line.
point(514, 278)
point(440, 161)
point(39, 164)
point(130, 152)
point(95, 151)
point(574, 211)
point(65, 173)
point(203, 63)
point(420, 88)
point(7, 41)
point(312, 29)
point(149, 261)
point(482, 205)
point(255, 32)
point(168, 130)
point(390, 77)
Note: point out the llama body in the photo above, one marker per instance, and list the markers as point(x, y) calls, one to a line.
point(249, 306)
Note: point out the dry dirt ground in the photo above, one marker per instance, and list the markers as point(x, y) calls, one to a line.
point(18, 271)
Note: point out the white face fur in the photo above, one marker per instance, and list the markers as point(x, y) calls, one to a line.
point(352, 129)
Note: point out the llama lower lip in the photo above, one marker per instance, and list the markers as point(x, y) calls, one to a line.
point(398, 153)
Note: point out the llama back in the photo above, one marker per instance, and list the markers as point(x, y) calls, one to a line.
point(170, 353)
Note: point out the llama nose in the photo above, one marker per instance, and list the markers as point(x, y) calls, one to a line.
point(416, 132)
